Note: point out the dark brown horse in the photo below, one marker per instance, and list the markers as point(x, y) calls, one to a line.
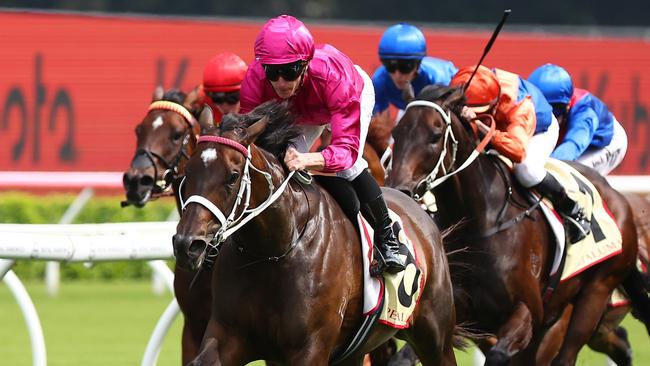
point(165, 139)
point(289, 280)
point(505, 248)
point(157, 165)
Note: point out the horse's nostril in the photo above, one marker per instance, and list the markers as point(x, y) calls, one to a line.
point(146, 180)
point(175, 244)
point(197, 247)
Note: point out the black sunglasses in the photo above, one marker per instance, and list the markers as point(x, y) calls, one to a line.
point(224, 97)
point(289, 72)
point(403, 66)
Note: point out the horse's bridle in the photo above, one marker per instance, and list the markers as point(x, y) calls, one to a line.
point(231, 223)
point(162, 186)
point(430, 181)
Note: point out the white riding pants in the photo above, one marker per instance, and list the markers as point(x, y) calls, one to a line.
point(605, 159)
point(531, 171)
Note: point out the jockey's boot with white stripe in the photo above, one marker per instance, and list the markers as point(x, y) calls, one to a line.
point(575, 221)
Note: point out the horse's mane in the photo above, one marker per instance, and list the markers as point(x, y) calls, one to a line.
point(279, 132)
point(174, 95)
point(435, 92)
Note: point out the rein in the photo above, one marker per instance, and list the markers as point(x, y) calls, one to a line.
point(430, 181)
point(162, 186)
point(231, 224)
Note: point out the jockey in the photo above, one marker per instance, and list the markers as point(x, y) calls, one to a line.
point(590, 134)
point(406, 69)
point(323, 86)
point(222, 78)
point(526, 133)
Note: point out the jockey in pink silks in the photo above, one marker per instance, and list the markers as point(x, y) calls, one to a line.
point(324, 89)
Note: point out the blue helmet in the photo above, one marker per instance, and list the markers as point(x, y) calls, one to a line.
point(554, 82)
point(402, 41)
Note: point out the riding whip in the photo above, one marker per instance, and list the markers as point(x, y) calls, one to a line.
point(489, 45)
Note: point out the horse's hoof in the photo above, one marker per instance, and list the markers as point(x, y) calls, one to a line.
point(496, 357)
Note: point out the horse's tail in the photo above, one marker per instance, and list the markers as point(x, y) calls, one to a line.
point(637, 288)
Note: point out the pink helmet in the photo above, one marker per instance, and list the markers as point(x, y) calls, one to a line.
point(284, 40)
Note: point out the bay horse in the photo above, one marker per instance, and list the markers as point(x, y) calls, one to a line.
point(288, 275)
point(505, 247)
point(165, 139)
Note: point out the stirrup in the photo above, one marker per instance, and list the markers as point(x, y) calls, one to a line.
point(379, 264)
point(576, 229)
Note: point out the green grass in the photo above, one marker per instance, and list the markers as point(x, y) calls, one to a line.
point(109, 323)
point(96, 323)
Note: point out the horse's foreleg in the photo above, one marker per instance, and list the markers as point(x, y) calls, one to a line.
point(220, 350)
point(209, 354)
point(190, 342)
point(553, 338)
point(513, 336)
point(587, 313)
point(195, 307)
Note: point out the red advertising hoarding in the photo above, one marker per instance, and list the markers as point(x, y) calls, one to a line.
point(73, 87)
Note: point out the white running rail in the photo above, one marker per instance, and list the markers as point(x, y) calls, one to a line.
point(87, 243)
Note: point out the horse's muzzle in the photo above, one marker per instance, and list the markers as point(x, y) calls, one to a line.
point(190, 251)
point(138, 187)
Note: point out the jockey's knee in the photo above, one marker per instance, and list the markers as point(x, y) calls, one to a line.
point(343, 193)
point(529, 175)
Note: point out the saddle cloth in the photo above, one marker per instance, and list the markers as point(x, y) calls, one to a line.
point(393, 295)
point(604, 241)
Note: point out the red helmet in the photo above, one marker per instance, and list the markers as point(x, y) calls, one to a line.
point(224, 73)
point(484, 90)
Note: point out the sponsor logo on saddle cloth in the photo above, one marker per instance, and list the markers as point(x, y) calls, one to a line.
point(605, 239)
point(400, 292)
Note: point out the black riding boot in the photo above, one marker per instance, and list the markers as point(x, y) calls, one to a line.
point(577, 224)
point(374, 208)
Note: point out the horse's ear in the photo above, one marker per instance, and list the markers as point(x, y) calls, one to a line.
point(455, 99)
point(206, 119)
point(254, 130)
point(192, 102)
point(158, 93)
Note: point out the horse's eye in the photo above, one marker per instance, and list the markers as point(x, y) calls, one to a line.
point(177, 136)
point(138, 129)
point(233, 178)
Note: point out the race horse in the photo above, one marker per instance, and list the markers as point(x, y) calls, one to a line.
point(287, 261)
point(165, 139)
point(501, 248)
